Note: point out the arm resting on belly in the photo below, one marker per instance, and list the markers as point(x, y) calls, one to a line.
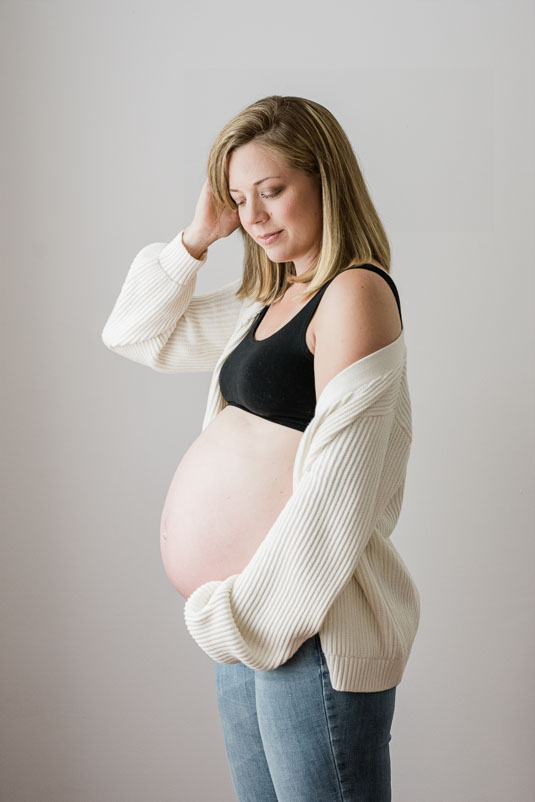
point(262, 615)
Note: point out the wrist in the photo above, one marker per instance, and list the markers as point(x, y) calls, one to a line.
point(195, 242)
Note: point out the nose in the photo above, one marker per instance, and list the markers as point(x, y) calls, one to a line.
point(255, 214)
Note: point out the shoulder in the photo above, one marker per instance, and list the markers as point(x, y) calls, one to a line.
point(358, 315)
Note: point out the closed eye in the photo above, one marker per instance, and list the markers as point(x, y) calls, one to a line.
point(273, 195)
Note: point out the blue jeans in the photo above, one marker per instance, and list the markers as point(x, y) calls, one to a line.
point(289, 736)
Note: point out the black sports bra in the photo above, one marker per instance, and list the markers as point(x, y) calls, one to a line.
point(274, 377)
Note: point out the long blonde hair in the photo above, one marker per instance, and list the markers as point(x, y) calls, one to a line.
point(304, 135)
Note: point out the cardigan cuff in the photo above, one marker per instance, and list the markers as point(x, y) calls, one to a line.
point(177, 261)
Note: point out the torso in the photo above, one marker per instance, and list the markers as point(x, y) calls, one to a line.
point(231, 484)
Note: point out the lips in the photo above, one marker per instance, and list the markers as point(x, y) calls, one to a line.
point(268, 236)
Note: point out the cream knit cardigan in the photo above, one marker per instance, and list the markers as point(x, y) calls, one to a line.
point(327, 565)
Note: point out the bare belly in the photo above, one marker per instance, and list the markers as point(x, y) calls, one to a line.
point(226, 493)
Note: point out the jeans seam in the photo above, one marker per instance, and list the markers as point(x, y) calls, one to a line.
point(328, 724)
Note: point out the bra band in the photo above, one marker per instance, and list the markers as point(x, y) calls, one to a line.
point(274, 377)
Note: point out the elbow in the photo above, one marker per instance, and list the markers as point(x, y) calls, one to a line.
point(106, 340)
point(148, 353)
point(107, 336)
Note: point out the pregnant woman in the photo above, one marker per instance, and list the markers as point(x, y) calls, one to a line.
point(276, 527)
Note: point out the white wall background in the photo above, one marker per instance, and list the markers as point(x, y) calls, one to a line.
point(108, 113)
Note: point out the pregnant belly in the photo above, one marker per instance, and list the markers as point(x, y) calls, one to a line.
point(226, 493)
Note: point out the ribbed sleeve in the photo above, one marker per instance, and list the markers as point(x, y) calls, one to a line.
point(327, 564)
point(158, 321)
point(262, 615)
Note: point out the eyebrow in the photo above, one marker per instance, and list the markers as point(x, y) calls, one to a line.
point(257, 182)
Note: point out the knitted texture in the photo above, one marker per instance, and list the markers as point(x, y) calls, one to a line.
point(327, 564)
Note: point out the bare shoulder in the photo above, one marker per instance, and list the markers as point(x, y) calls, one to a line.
point(357, 315)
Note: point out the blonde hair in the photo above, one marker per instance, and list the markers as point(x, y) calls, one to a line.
point(306, 136)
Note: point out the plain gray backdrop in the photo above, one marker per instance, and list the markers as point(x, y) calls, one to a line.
point(108, 114)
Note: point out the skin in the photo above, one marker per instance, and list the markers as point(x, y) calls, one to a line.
point(358, 313)
point(296, 208)
point(237, 476)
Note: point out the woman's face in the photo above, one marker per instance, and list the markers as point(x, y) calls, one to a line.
point(288, 200)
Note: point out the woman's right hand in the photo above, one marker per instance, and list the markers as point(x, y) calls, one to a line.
point(212, 221)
